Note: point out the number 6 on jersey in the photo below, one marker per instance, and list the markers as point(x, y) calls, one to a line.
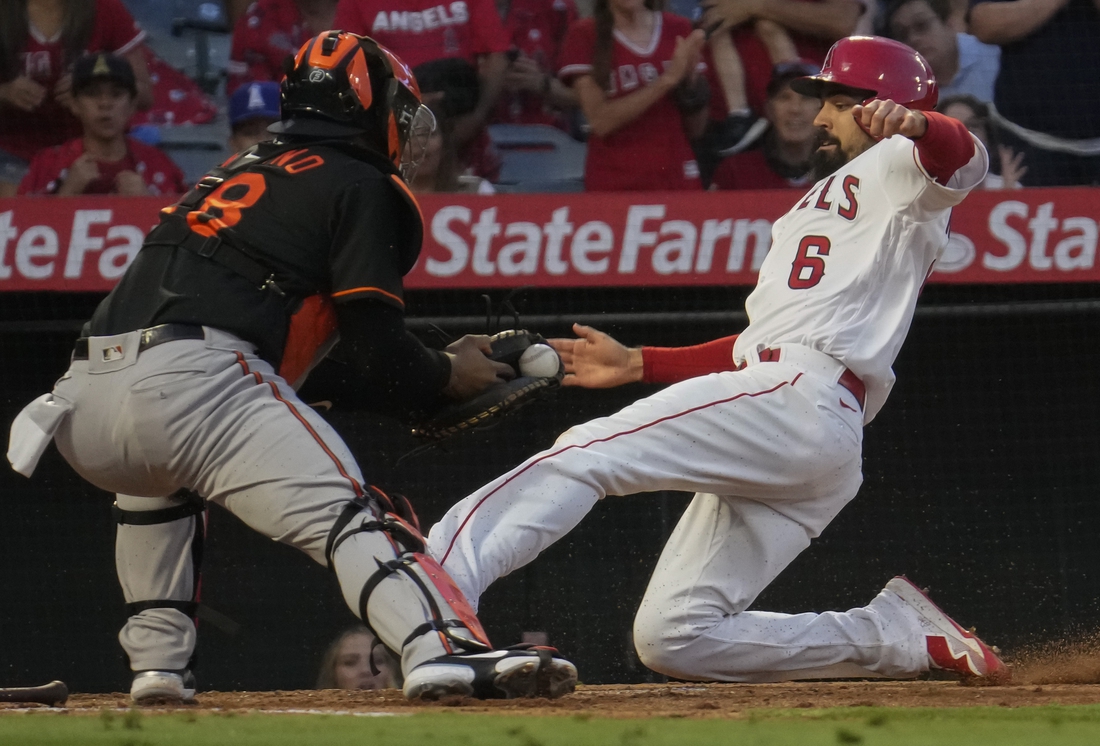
point(808, 267)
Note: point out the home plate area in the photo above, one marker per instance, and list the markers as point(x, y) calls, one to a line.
point(675, 700)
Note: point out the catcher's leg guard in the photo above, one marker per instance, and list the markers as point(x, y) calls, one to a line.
point(158, 552)
point(413, 607)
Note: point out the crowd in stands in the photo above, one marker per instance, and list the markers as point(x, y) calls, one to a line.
point(688, 100)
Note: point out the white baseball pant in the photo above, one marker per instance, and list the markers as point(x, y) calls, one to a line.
point(773, 453)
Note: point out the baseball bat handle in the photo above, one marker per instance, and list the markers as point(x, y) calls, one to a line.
point(48, 694)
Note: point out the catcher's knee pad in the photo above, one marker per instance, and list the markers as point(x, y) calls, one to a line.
point(158, 555)
point(399, 592)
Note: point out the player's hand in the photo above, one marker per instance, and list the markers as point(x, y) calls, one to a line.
point(23, 93)
point(596, 360)
point(82, 172)
point(1012, 166)
point(471, 371)
point(688, 52)
point(130, 184)
point(720, 15)
point(884, 118)
point(63, 91)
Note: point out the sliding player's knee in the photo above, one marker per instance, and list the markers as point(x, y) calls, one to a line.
point(660, 642)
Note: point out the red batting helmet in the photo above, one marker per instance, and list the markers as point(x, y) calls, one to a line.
point(342, 84)
point(878, 67)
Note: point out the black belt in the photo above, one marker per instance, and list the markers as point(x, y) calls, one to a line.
point(150, 337)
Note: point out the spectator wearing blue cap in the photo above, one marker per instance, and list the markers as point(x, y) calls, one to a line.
point(252, 107)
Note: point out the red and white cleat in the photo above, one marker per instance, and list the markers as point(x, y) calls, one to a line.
point(950, 646)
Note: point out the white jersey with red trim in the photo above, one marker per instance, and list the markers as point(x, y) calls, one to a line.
point(773, 450)
point(848, 261)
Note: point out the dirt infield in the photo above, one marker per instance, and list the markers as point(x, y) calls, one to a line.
point(1056, 673)
point(647, 700)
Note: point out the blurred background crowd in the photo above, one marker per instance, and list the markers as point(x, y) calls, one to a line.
point(142, 96)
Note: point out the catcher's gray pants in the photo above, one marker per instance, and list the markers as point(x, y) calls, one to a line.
point(773, 453)
point(208, 415)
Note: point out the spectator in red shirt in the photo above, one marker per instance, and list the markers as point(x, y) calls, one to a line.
point(104, 160)
point(420, 31)
point(782, 161)
point(252, 109)
point(39, 41)
point(635, 71)
point(532, 93)
point(269, 31)
point(812, 26)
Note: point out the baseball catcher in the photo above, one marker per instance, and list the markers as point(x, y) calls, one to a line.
point(182, 387)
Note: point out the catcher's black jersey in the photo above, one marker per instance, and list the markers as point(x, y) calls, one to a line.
point(323, 218)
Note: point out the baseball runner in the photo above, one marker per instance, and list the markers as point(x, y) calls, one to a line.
point(180, 391)
point(766, 428)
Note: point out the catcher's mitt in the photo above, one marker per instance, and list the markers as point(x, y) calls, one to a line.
point(488, 407)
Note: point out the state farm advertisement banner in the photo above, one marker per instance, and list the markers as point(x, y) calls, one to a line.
point(581, 240)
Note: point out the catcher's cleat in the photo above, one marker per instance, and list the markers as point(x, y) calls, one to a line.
point(498, 674)
point(950, 647)
point(156, 687)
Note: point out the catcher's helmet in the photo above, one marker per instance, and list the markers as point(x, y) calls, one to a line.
point(881, 68)
point(341, 84)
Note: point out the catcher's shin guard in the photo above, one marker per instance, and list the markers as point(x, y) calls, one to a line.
point(400, 593)
point(158, 553)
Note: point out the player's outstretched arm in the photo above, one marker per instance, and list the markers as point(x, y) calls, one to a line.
point(943, 144)
point(596, 360)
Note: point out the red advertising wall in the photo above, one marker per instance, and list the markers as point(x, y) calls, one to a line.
point(579, 240)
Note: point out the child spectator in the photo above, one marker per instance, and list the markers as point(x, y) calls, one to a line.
point(1006, 167)
point(39, 41)
point(104, 160)
point(810, 25)
point(635, 71)
point(269, 31)
point(532, 93)
point(439, 170)
point(252, 108)
point(355, 661)
point(742, 127)
point(783, 159)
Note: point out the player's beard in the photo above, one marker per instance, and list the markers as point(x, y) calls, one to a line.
point(824, 162)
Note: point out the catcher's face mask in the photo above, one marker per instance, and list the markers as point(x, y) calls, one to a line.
point(416, 146)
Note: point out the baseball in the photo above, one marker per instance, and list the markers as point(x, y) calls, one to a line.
point(539, 361)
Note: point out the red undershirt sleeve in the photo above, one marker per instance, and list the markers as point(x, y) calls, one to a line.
point(945, 147)
point(673, 364)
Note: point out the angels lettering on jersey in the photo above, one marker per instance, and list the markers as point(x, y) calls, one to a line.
point(848, 206)
point(418, 21)
point(627, 78)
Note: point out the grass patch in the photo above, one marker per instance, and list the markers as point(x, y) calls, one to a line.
point(978, 726)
